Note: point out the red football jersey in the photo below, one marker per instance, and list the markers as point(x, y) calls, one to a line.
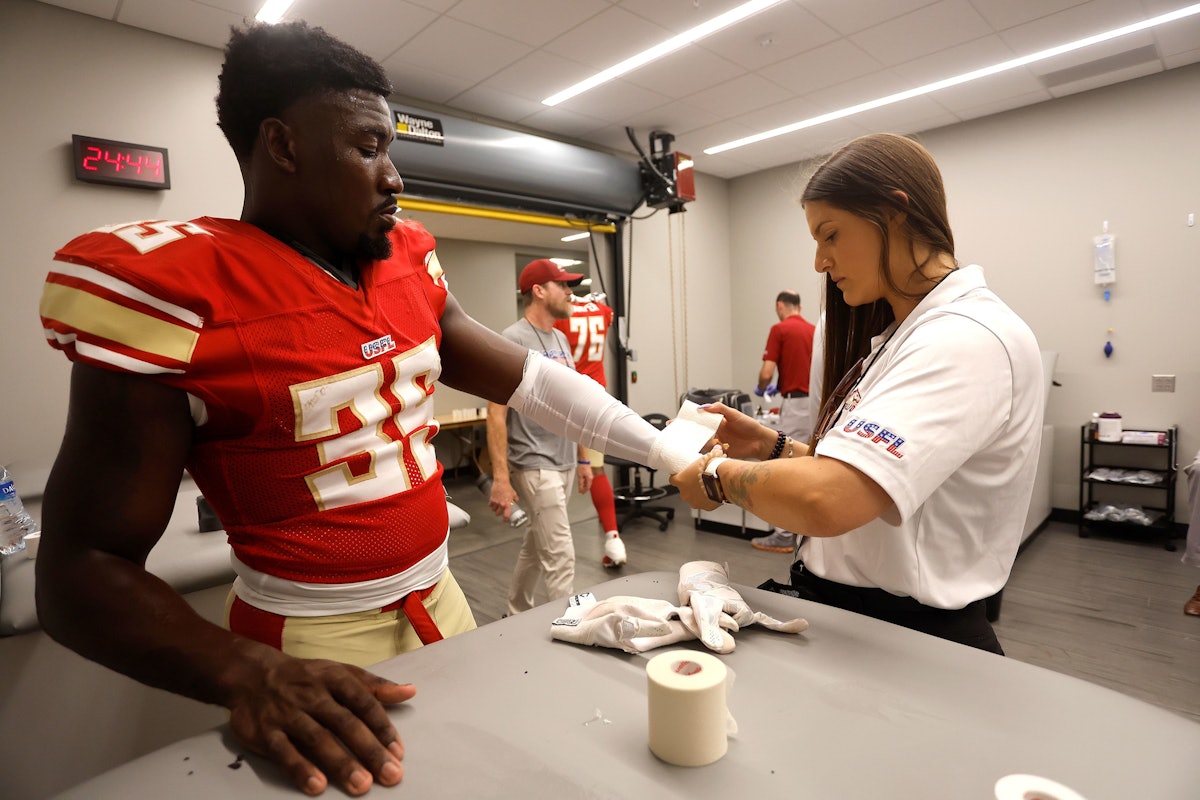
point(313, 401)
point(587, 330)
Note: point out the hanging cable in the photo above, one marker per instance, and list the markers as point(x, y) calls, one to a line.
point(684, 298)
point(674, 322)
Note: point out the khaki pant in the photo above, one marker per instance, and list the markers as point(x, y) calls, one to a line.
point(547, 557)
point(361, 638)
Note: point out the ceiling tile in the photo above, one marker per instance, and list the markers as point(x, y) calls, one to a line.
point(922, 32)
point(495, 103)
point(678, 117)
point(735, 97)
point(1178, 37)
point(456, 48)
point(537, 76)
point(911, 116)
point(685, 73)
point(1071, 24)
point(243, 8)
point(988, 106)
point(415, 81)
point(859, 90)
point(616, 101)
point(537, 22)
point(377, 27)
point(954, 61)
point(774, 35)
point(834, 63)
point(993, 91)
point(847, 18)
point(193, 22)
point(1004, 14)
point(106, 9)
point(677, 16)
point(565, 123)
point(608, 38)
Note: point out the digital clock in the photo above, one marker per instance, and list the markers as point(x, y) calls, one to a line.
point(120, 163)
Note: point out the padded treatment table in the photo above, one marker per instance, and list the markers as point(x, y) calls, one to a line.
point(852, 708)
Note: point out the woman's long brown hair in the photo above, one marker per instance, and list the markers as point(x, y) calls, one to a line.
point(874, 177)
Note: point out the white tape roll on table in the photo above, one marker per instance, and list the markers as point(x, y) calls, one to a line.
point(1033, 787)
point(689, 721)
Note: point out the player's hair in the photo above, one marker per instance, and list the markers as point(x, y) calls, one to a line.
point(269, 67)
point(788, 297)
point(874, 177)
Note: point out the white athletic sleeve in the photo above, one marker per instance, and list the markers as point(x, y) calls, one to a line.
point(578, 408)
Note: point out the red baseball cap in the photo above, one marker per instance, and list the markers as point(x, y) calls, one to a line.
point(543, 271)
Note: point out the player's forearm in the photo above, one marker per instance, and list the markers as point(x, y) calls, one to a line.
point(112, 611)
point(497, 440)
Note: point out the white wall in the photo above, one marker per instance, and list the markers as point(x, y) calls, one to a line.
point(680, 275)
point(1028, 189)
point(66, 73)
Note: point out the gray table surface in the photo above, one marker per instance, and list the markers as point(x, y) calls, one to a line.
point(852, 708)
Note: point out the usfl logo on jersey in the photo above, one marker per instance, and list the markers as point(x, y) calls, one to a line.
point(373, 349)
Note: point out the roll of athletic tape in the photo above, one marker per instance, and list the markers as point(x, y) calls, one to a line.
point(689, 720)
point(1033, 787)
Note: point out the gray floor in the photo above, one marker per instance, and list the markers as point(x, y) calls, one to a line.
point(1105, 610)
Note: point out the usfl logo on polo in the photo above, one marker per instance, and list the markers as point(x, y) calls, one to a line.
point(877, 434)
point(373, 349)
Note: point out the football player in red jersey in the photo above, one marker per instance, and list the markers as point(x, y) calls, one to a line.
point(287, 360)
point(587, 332)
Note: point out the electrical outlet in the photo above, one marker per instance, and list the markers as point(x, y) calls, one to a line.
point(1162, 383)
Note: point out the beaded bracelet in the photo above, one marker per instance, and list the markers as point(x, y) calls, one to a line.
point(778, 446)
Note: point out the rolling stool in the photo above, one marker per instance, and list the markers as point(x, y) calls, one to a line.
point(638, 496)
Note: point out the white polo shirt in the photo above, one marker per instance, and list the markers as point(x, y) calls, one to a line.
point(947, 420)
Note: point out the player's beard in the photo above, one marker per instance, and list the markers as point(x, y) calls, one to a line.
point(374, 248)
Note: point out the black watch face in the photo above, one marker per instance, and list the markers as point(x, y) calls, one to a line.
point(710, 487)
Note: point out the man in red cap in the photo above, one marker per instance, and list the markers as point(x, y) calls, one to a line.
point(531, 464)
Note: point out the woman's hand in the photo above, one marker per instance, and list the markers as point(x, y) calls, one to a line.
point(740, 435)
point(688, 481)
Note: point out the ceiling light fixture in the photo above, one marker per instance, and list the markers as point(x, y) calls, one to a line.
point(273, 11)
point(574, 237)
point(958, 79)
point(659, 50)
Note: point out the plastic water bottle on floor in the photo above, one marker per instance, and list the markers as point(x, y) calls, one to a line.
point(15, 521)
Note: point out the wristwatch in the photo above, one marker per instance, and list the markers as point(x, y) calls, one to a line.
point(712, 482)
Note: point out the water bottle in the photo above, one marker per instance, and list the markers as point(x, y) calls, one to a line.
point(15, 522)
point(518, 517)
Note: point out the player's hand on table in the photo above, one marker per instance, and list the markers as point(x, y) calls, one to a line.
point(321, 721)
point(740, 434)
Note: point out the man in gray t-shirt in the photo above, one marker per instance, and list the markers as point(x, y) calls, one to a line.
point(531, 464)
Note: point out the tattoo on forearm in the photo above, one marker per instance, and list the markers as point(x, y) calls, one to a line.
point(737, 488)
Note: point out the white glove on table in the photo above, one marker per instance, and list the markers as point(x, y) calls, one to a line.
point(632, 624)
point(704, 586)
